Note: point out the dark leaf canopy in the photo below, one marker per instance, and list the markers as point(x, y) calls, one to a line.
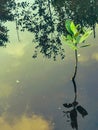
point(6, 7)
point(45, 19)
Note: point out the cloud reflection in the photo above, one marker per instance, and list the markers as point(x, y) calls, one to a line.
point(95, 56)
point(16, 51)
point(26, 123)
point(83, 58)
point(5, 91)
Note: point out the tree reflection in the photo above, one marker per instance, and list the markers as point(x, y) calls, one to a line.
point(81, 12)
point(6, 7)
point(40, 19)
point(74, 108)
point(45, 19)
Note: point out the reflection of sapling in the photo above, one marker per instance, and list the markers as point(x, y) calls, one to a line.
point(76, 35)
point(82, 111)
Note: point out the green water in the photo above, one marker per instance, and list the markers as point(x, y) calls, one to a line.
point(33, 91)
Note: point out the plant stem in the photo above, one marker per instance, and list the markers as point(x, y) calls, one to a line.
point(74, 76)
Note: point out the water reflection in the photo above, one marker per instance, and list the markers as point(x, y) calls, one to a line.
point(48, 24)
point(38, 86)
point(84, 13)
point(73, 108)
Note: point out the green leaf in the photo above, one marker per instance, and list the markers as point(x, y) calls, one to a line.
point(69, 37)
point(74, 40)
point(85, 45)
point(75, 35)
point(73, 47)
point(78, 39)
point(85, 36)
point(67, 25)
point(73, 28)
point(63, 38)
point(77, 26)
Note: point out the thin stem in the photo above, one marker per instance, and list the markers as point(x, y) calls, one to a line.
point(74, 76)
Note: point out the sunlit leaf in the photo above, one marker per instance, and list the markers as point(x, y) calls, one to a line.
point(74, 40)
point(78, 39)
point(75, 36)
point(85, 45)
point(69, 37)
point(72, 46)
point(63, 38)
point(73, 28)
point(67, 25)
point(85, 36)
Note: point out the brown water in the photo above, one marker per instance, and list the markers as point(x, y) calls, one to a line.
point(32, 91)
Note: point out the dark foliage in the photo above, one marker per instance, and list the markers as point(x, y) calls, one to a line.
point(3, 35)
point(5, 15)
point(82, 111)
point(84, 13)
point(6, 10)
point(45, 19)
point(73, 117)
point(41, 19)
point(81, 12)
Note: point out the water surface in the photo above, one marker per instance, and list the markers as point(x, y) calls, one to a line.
point(33, 91)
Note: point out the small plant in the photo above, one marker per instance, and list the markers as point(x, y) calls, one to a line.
point(76, 35)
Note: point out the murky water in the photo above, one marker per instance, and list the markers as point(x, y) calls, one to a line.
point(33, 91)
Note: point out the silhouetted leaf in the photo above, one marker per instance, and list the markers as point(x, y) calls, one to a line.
point(67, 105)
point(73, 114)
point(75, 103)
point(73, 117)
point(82, 111)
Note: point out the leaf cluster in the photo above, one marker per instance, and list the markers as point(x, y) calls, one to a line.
point(76, 35)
